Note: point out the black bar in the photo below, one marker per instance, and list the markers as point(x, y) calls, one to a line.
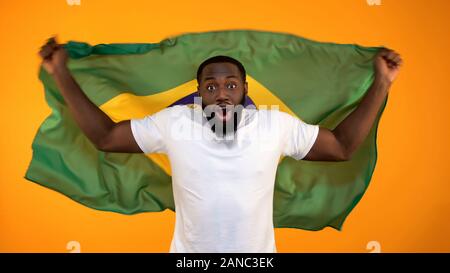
point(243, 262)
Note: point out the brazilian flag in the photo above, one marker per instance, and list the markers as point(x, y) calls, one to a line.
point(320, 83)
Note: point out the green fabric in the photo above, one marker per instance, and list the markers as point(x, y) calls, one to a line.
point(320, 82)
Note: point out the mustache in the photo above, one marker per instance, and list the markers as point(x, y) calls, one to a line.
point(242, 103)
point(224, 108)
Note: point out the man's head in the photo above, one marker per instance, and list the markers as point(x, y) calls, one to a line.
point(222, 82)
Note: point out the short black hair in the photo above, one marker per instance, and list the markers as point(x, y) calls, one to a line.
point(222, 59)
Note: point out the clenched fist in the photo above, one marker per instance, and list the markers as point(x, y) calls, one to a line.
point(387, 64)
point(54, 56)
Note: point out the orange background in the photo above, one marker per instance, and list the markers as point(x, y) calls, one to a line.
point(407, 206)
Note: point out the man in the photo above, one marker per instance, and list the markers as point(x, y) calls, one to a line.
point(223, 156)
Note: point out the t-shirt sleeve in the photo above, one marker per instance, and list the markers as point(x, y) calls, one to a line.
point(299, 137)
point(149, 132)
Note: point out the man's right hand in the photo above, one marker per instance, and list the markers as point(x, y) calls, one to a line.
point(54, 56)
point(103, 132)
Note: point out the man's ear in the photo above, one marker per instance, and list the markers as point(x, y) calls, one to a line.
point(198, 90)
point(245, 88)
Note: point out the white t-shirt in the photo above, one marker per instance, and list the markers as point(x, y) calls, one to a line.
point(223, 189)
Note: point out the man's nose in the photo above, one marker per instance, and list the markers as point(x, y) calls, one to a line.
point(222, 95)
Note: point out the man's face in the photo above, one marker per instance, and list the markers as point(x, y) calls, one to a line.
point(221, 85)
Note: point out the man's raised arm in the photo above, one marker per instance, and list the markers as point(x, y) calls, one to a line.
point(339, 144)
point(104, 133)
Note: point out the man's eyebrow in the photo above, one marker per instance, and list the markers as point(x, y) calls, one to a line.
point(212, 78)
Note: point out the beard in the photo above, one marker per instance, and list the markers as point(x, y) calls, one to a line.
point(224, 120)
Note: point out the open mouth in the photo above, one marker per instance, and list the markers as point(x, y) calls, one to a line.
point(224, 113)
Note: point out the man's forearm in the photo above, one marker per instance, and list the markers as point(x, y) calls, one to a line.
point(92, 120)
point(353, 130)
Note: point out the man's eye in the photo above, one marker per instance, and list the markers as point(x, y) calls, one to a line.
point(210, 88)
point(231, 85)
